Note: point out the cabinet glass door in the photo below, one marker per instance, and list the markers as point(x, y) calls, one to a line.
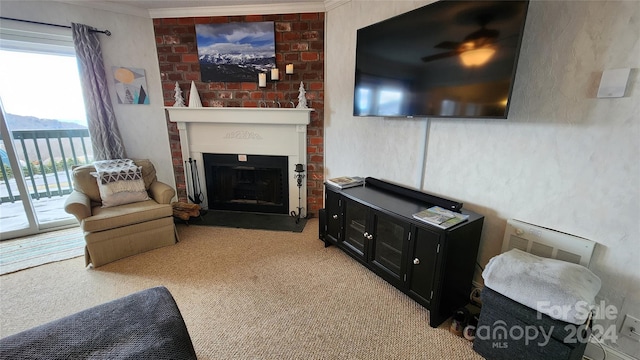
point(334, 215)
point(389, 236)
point(355, 227)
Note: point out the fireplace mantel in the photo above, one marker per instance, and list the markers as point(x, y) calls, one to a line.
point(291, 116)
point(244, 131)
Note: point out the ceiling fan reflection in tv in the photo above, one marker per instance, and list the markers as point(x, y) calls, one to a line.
point(402, 70)
point(475, 49)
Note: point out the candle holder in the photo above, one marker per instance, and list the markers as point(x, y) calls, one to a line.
point(276, 101)
point(288, 94)
point(262, 102)
point(262, 84)
point(275, 77)
point(289, 73)
point(298, 176)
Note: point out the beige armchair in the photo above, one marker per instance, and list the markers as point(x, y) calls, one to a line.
point(112, 233)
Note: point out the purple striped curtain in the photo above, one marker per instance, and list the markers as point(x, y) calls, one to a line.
point(101, 120)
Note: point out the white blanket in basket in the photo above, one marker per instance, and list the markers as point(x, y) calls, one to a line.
point(562, 290)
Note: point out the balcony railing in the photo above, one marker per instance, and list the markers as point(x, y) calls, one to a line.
point(46, 158)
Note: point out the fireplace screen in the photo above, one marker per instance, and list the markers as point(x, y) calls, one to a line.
point(251, 183)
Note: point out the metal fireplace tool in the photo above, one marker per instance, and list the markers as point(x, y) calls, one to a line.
point(298, 176)
point(197, 197)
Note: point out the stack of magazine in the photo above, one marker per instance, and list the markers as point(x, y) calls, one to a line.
point(440, 217)
point(344, 182)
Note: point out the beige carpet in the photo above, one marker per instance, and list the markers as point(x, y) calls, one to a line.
point(247, 294)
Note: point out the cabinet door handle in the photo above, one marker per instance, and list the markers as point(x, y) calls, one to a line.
point(366, 234)
point(370, 236)
point(416, 261)
point(335, 217)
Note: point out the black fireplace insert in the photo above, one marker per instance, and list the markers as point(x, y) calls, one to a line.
point(249, 183)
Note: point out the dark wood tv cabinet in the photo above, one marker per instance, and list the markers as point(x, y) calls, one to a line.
point(374, 225)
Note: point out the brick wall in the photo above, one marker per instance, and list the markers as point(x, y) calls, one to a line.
point(299, 41)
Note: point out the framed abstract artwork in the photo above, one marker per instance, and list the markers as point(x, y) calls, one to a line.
point(235, 52)
point(131, 85)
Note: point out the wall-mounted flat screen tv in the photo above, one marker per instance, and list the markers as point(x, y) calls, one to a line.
point(454, 59)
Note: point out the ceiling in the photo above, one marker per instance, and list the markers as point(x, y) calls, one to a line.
point(164, 4)
point(186, 8)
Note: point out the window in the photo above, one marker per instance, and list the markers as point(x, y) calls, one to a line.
point(41, 85)
point(44, 111)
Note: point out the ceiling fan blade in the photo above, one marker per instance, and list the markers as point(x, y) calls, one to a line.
point(451, 45)
point(439, 56)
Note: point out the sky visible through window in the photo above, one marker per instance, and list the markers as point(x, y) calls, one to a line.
point(41, 85)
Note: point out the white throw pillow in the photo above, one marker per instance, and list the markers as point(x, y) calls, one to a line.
point(120, 182)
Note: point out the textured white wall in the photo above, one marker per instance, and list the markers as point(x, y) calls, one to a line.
point(132, 44)
point(563, 159)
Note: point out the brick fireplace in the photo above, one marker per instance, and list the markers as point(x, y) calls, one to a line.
point(243, 133)
point(299, 40)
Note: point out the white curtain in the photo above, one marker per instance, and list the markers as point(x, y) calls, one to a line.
point(101, 120)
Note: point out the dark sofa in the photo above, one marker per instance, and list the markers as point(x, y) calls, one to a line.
point(143, 325)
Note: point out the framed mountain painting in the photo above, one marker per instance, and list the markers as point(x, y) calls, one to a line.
point(235, 52)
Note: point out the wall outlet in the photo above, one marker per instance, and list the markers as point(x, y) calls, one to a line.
point(631, 328)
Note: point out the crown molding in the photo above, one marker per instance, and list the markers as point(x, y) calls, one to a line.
point(332, 4)
point(228, 10)
point(263, 9)
point(108, 6)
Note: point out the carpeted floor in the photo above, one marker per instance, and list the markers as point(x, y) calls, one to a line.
point(247, 294)
point(23, 253)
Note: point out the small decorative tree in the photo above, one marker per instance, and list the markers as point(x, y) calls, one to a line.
point(194, 97)
point(302, 99)
point(178, 96)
